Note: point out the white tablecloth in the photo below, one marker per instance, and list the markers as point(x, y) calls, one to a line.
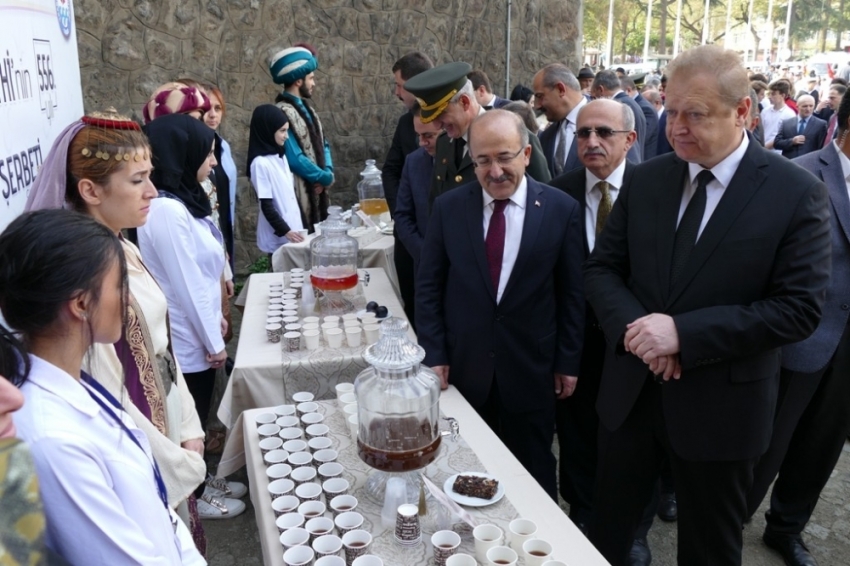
point(377, 254)
point(263, 375)
point(478, 450)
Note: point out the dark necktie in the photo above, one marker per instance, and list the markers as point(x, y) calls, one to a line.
point(561, 148)
point(495, 242)
point(460, 143)
point(801, 126)
point(686, 235)
point(605, 205)
point(830, 132)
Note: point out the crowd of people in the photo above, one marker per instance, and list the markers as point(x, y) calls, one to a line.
point(655, 271)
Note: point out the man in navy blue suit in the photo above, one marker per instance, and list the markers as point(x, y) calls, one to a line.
point(803, 133)
point(499, 299)
point(411, 211)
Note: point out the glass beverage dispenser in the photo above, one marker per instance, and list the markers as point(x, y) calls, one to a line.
point(371, 191)
point(333, 258)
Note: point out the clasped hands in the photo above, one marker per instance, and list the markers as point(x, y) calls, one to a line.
point(654, 339)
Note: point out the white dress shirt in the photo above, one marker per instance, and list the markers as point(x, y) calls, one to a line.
point(845, 165)
point(514, 220)
point(273, 179)
point(568, 129)
point(186, 258)
point(714, 191)
point(100, 497)
point(771, 120)
point(593, 197)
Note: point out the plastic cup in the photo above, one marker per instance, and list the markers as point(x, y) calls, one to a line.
point(331, 319)
point(352, 336)
point(284, 410)
point(334, 337)
point(343, 388)
point(347, 522)
point(293, 327)
point(302, 409)
point(273, 333)
point(290, 421)
point(311, 320)
point(407, 529)
point(461, 559)
point(325, 456)
point(330, 470)
point(278, 471)
point(303, 397)
point(298, 555)
point(445, 544)
point(269, 444)
point(319, 527)
point(371, 332)
point(292, 340)
point(520, 530)
point(356, 543)
point(346, 399)
point(536, 551)
point(289, 521)
point(295, 537)
point(268, 430)
point(353, 427)
point(264, 418)
point(327, 326)
point(331, 560)
point(310, 326)
point(308, 492)
point(300, 459)
point(275, 457)
point(312, 509)
point(351, 324)
point(304, 474)
point(316, 431)
point(327, 545)
point(335, 487)
point(343, 504)
point(281, 487)
point(311, 339)
point(501, 556)
point(350, 409)
point(293, 446)
point(290, 320)
point(311, 419)
point(284, 504)
point(349, 316)
point(486, 537)
point(272, 318)
point(292, 433)
point(367, 560)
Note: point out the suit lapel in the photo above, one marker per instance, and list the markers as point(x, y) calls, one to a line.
point(475, 225)
point(746, 181)
point(534, 204)
point(668, 216)
point(833, 176)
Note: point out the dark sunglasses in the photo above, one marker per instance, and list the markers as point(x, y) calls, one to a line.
point(603, 133)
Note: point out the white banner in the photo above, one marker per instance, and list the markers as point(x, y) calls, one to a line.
point(40, 91)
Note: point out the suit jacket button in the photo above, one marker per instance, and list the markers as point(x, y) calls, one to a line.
point(445, 161)
point(845, 307)
point(458, 179)
point(438, 178)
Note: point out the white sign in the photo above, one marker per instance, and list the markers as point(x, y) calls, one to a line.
point(40, 91)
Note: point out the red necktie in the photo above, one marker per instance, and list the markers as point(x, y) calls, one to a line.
point(495, 242)
point(833, 121)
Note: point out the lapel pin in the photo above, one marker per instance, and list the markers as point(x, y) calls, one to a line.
point(537, 203)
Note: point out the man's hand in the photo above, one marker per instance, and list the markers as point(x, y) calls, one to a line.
point(443, 373)
point(565, 385)
point(194, 445)
point(224, 326)
point(798, 140)
point(666, 367)
point(294, 236)
point(229, 288)
point(652, 336)
point(318, 188)
point(217, 360)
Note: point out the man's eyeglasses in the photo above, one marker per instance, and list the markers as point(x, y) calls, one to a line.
point(603, 133)
point(502, 160)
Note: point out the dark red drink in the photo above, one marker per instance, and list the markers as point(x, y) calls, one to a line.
point(334, 283)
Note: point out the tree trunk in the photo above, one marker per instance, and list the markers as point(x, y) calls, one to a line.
point(662, 27)
point(840, 29)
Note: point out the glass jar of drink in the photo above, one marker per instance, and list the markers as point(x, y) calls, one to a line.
point(373, 202)
point(333, 259)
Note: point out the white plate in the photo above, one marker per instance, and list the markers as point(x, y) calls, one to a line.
point(472, 501)
point(362, 313)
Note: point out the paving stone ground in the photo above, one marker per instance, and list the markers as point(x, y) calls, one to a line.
point(235, 542)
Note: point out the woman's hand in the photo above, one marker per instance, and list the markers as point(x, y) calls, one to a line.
point(294, 237)
point(224, 326)
point(228, 288)
point(217, 360)
point(194, 445)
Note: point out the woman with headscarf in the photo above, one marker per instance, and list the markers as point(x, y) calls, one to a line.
point(280, 216)
point(182, 247)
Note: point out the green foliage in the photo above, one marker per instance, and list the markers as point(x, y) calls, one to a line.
point(262, 265)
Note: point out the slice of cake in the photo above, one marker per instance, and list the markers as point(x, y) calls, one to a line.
point(476, 486)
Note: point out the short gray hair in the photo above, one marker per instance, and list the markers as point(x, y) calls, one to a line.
point(465, 89)
point(557, 73)
point(627, 117)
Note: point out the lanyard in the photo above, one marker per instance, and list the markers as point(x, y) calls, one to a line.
point(160, 484)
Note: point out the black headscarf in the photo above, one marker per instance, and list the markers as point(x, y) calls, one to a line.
point(265, 121)
point(180, 144)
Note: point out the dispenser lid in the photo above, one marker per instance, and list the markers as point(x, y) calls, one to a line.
point(370, 169)
point(394, 350)
point(334, 222)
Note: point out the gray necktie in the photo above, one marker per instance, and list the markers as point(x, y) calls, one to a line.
point(561, 148)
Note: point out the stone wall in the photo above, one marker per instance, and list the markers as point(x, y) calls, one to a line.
point(129, 47)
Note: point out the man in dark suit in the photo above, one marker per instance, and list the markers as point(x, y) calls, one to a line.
point(499, 301)
point(446, 97)
point(604, 134)
point(712, 259)
point(803, 134)
point(812, 420)
point(412, 209)
point(404, 142)
point(607, 85)
point(557, 94)
point(827, 108)
point(650, 114)
point(484, 91)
